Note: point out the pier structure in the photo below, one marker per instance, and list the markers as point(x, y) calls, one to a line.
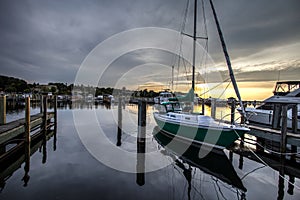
point(277, 137)
point(22, 130)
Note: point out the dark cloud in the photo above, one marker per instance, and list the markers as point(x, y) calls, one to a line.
point(46, 40)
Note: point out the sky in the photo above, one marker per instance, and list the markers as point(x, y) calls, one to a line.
point(48, 40)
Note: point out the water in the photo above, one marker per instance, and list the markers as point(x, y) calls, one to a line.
point(73, 170)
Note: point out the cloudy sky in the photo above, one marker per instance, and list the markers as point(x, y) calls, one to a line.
point(47, 40)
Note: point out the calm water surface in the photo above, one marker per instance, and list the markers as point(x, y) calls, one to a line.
point(72, 172)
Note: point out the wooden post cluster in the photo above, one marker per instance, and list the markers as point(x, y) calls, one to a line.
point(2, 110)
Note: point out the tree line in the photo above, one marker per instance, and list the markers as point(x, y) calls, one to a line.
point(16, 85)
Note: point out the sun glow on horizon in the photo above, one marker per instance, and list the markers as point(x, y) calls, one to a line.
point(248, 90)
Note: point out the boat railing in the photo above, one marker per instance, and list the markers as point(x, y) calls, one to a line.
point(222, 118)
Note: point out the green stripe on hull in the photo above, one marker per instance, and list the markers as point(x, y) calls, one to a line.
point(211, 136)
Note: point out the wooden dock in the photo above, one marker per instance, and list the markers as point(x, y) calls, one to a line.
point(26, 136)
point(13, 129)
point(277, 138)
point(274, 135)
point(21, 130)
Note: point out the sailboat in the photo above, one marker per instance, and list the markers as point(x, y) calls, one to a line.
point(199, 128)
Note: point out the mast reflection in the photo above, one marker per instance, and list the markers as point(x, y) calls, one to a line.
point(215, 163)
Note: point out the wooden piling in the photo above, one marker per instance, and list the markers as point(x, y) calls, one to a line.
point(55, 123)
point(45, 114)
point(213, 108)
point(27, 140)
point(27, 120)
point(2, 110)
point(119, 136)
point(232, 112)
point(141, 145)
point(294, 129)
point(294, 118)
point(55, 109)
point(283, 129)
point(2, 119)
point(41, 103)
point(276, 116)
point(242, 141)
point(123, 97)
point(243, 118)
point(141, 121)
point(203, 107)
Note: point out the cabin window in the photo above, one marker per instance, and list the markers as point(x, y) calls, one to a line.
point(169, 107)
point(176, 106)
point(187, 118)
point(173, 116)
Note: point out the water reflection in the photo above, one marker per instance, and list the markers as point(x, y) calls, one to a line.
point(189, 177)
point(287, 169)
point(140, 163)
point(19, 154)
point(215, 163)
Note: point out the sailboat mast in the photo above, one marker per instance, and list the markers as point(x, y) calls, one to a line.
point(194, 44)
point(172, 82)
point(227, 59)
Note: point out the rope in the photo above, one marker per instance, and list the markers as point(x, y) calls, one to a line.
point(224, 90)
point(214, 87)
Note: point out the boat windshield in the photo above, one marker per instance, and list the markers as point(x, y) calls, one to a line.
point(172, 106)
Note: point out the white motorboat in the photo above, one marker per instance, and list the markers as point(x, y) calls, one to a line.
point(285, 91)
point(163, 97)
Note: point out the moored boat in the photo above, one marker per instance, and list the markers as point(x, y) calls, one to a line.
point(197, 127)
point(163, 97)
point(286, 91)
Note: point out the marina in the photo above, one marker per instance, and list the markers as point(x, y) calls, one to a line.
point(243, 172)
point(193, 99)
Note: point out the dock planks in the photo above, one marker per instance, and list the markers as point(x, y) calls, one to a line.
point(13, 129)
